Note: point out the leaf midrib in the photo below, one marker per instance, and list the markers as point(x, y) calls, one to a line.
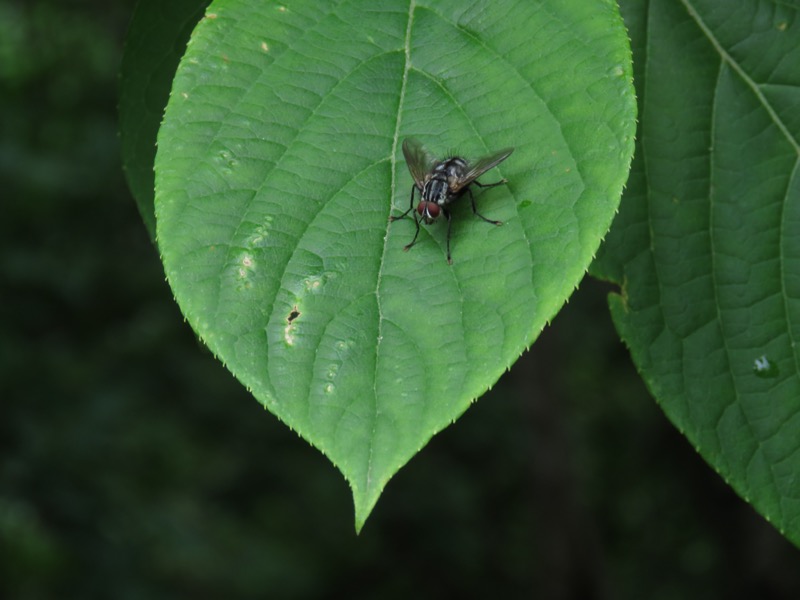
point(393, 190)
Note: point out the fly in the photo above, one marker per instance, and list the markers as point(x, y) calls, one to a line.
point(441, 182)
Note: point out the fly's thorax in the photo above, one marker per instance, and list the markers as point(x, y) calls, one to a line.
point(444, 177)
point(436, 190)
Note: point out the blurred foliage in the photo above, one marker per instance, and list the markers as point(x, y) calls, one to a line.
point(132, 465)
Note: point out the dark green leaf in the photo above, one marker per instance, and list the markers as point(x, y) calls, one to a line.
point(707, 245)
point(155, 43)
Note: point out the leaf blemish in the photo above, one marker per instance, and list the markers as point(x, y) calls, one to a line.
point(293, 314)
point(289, 330)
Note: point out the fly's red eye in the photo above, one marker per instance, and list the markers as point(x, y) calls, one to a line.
point(421, 208)
point(433, 210)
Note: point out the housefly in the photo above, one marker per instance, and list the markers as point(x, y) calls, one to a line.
point(441, 182)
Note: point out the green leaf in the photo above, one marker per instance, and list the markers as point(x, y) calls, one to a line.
point(280, 162)
point(155, 42)
point(707, 245)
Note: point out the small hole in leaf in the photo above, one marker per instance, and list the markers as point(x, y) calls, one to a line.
point(293, 315)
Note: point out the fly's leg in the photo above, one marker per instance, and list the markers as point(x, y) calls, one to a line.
point(496, 183)
point(410, 208)
point(414, 241)
point(472, 198)
point(416, 220)
point(449, 223)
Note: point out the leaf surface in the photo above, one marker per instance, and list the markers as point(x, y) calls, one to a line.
point(707, 244)
point(280, 162)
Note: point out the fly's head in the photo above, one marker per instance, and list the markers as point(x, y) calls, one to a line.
point(428, 211)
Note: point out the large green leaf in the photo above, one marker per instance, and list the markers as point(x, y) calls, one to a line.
point(155, 43)
point(279, 164)
point(707, 245)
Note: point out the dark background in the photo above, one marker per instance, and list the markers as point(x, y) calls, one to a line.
point(132, 465)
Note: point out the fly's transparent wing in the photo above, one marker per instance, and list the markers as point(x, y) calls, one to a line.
point(480, 166)
point(420, 162)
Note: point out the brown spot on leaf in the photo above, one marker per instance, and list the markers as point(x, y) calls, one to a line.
point(293, 315)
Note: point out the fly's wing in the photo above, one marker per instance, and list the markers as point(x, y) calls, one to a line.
point(479, 167)
point(420, 162)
